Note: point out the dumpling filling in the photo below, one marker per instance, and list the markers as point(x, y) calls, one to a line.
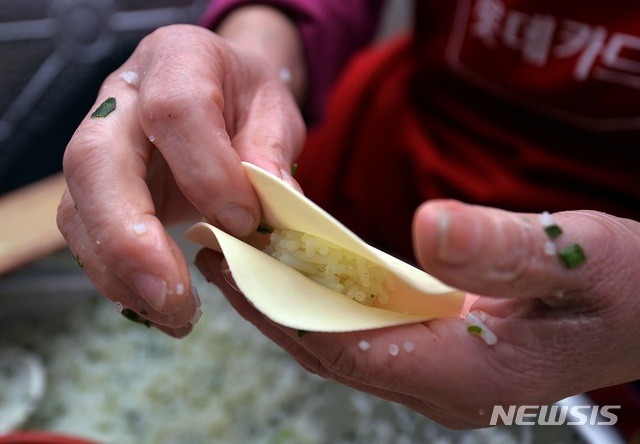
point(332, 266)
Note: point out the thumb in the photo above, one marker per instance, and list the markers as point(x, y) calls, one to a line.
point(499, 253)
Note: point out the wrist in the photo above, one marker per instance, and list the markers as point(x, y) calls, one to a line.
point(271, 34)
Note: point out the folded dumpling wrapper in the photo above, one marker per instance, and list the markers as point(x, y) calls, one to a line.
point(291, 299)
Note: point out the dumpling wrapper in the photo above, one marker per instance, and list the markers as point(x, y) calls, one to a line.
point(291, 299)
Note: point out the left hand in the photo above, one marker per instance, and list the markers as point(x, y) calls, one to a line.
point(172, 151)
point(560, 331)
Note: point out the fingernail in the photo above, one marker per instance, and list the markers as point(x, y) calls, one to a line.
point(178, 333)
point(196, 317)
point(196, 296)
point(152, 289)
point(236, 220)
point(287, 178)
point(198, 312)
point(228, 277)
point(459, 237)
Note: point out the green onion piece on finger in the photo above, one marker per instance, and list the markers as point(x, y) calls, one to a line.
point(474, 329)
point(553, 231)
point(105, 108)
point(572, 256)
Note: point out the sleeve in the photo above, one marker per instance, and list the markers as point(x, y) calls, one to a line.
point(331, 30)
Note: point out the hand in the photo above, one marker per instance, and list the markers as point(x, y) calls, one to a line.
point(560, 331)
point(190, 106)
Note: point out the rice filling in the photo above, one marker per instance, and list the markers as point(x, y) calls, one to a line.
point(332, 266)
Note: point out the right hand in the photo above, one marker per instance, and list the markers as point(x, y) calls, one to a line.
point(172, 151)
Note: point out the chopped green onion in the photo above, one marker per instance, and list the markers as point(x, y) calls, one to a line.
point(301, 333)
point(78, 261)
point(572, 256)
point(553, 231)
point(294, 168)
point(105, 108)
point(264, 229)
point(474, 329)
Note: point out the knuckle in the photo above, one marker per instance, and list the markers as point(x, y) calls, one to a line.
point(65, 217)
point(518, 261)
point(85, 249)
point(274, 145)
point(115, 245)
point(84, 148)
point(515, 267)
point(341, 364)
point(72, 229)
point(177, 91)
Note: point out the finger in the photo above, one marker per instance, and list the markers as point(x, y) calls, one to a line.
point(118, 291)
point(105, 166)
point(270, 131)
point(192, 112)
point(499, 253)
point(181, 105)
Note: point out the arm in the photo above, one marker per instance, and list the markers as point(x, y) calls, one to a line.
point(269, 33)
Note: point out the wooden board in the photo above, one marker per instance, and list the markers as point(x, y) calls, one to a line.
point(28, 229)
